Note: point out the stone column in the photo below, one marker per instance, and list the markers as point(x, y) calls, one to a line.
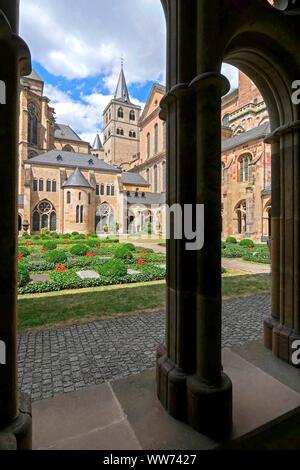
point(15, 420)
point(190, 382)
point(283, 328)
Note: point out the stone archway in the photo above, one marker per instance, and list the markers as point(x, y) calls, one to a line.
point(105, 218)
point(254, 37)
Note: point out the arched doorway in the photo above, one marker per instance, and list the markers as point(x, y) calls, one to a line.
point(105, 218)
point(241, 217)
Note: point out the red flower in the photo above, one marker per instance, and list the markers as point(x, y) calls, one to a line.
point(142, 252)
point(60, 268)
point(250, 247)
point(20, 258)
point(141, 262)
point(90, 254)
point(44, 250)
point(98, 247)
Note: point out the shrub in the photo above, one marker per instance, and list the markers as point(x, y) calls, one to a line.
point(93, 235)
point(113, 268)
point(80, 236)
point(50, 246)
point(123, 253)
point(129, 246)
point(66, 236)
point(56, 257)
point(93, 243)
point(25, 236)
point(223, 271)
point(74, 234)
point(233, 251)
point(23, 275)
point(79, 250)
point(36, 237)
point(247, 242)
point(23, 251)
point(231, 240)
point(106, 229)
point(54, 235)
point(44, 232)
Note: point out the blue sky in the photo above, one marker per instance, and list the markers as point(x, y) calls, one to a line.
point(77, 46)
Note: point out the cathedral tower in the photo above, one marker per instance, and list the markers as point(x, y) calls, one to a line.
point(121, 131)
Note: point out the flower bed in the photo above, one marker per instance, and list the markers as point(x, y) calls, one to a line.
point(114, 263)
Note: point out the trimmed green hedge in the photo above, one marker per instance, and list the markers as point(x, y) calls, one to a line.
point(23, 251)
point(50, 246)
point(247, 242)
point(113, 267)
point(123, 253)
point(79, 250)
point(23, 275)
point(56, 257)
point(232, 240)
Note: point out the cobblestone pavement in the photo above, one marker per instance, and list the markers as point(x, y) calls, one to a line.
point(69, 358)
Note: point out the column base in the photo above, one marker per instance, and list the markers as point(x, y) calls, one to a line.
point(18, 434)
point(280, 340)
point(205, 407)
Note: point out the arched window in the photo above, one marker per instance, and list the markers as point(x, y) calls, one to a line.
point(33, 123)
point(69, 197)
point(148, 145)
point(134, 135)
point(241, 217)
point(132, 115)
point(155, 179)
point(45, 221)
point(77, 214)
point(89, 198)
point(156, 139)
point(79, 196)
point(148, 175)
point(53, 221)
point(120, 113)
point(120, 131)
point(102, 189)
point(48, 186)
point(68, 148)
point(112, 190)
point(81, 214)
point(225, 120)
point(36, 222)
point(164, 176)
point(97, 189)
point(44, 216)
point(54, 186)
point(245, 161)
point(164, 135)
point(41, 185)
point(35, 185)
point(108, 190)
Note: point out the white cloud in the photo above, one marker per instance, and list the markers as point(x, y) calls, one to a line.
point(84, 115)
point(82, 38)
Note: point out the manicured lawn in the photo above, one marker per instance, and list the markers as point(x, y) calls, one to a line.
point(58, 308)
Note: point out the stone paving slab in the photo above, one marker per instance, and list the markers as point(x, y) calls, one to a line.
point(88, 275)
point(69, 358)
point(40, 277)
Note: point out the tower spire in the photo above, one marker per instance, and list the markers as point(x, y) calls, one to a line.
point(121, 93)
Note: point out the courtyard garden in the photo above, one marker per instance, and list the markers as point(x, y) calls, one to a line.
point(246, 250)
point(52, 262)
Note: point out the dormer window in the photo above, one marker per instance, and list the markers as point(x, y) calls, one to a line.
point(91, 162)
point(128, 193)
point(59, 158)
point(143, 195)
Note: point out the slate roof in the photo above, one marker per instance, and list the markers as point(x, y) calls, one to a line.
point(72, 160)
point(267, 189)
point(253, 134)
point(77, 180)
point(145, 198)
point(121, 93)
point(62, 131)
point(133, 179)
point(97, 145)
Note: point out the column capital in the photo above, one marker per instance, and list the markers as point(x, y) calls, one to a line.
point(288, 128)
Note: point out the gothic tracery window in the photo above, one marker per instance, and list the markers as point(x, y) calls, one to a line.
point(44, 216)
point(33, 122)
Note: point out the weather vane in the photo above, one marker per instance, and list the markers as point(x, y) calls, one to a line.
point(122, 61)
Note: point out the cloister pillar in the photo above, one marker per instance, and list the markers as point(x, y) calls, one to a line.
point(15, 420)
point(282, 331)
point(190, 382)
